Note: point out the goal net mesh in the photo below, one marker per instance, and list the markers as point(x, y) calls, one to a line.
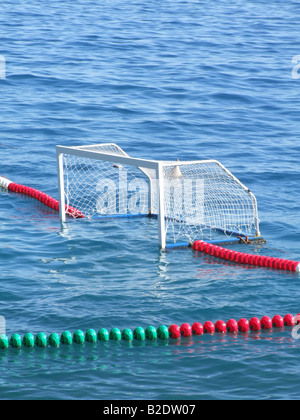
point(201, 199)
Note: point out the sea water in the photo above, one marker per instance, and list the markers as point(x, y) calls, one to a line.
point(164, 80)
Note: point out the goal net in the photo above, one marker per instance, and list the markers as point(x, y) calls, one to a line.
point(191, 200)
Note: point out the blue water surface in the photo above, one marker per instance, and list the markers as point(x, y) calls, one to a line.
point(164, 80)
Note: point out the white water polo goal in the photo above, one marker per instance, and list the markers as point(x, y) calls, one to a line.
point(193, 200)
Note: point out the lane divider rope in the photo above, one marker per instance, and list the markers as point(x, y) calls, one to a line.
point(242, 258)
point(48, 201)
point(150, 333)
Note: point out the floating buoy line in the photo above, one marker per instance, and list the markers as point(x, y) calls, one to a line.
point(151, 333)
point(48, 201)
point(249, 259)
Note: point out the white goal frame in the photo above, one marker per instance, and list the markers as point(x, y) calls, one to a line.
point(157, 166)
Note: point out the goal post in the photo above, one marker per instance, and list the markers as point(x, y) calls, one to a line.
point(191, 200)
point(109, 155)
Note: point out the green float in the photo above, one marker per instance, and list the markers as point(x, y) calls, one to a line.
point(66, 338)
point(103, 335)
point(16, 341)
point(41, 340)
point(151, 333)
point(127, 335)
point(79, 337)
point(163, 332)
point(139, 334)
point(28, 340)
point(54, 340)
point(115, 334)
point(4, 342)
point(91, 336)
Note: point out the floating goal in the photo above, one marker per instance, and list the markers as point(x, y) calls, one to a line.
point(191, 200)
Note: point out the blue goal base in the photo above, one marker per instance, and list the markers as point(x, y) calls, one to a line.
point(225, 241)
point(236, 239)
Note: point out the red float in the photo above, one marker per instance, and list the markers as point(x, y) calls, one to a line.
point(209, 327)
point(174, 331)
point(254, 324)
point(243, 325)
point(220, 327)
point(277, 321)
point(266, 323)
point(232, 326)
point(289, 320)
point(197, 328)
point(186, 330)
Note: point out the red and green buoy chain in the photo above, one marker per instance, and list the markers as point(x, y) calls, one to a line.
point(151, 333)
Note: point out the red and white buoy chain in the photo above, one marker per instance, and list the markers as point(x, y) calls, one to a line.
point(38, 195)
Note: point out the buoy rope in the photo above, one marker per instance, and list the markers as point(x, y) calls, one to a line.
point(150, 333)
point(245, 240)
point(38, 195)
point(242, 258)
